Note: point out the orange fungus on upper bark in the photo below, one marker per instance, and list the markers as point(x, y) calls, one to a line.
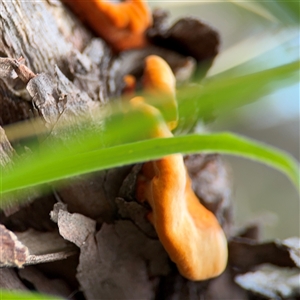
point(122, 25)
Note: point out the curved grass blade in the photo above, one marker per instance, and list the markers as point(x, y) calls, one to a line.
point(285, 12)
point(225, 94)
point(218, 95)
point(256, 8)
point(48, 169)
point(230, 61)
point(13, 295)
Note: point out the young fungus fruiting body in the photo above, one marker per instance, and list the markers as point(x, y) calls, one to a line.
point(189, 232)
point(121, 24)
point(159, 82)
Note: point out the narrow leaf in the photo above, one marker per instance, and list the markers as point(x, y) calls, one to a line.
point(17, 295)
point(47, 169)
point(221, 94)
point(255, 8)
point(216, 96)
point(285, 12)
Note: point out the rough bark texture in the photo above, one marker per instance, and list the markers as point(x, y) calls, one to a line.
point(98, 243)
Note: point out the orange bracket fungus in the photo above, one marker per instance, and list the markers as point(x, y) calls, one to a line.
point(159, 82)
point(188, 231)
point(121, 24)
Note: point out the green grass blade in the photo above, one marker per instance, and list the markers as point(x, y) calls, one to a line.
point(217, 96)
point(42, 170)
point(17, 295)
point(285, 12)
point(255, 8)
point(222, 94)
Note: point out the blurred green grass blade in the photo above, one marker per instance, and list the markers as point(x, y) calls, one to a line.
point(285, 12)
point(267, 42)
point(218, 95)
point(118, 128)
point(255, 8)
point(46, 169)
point(17, 295)
point(221, 94)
